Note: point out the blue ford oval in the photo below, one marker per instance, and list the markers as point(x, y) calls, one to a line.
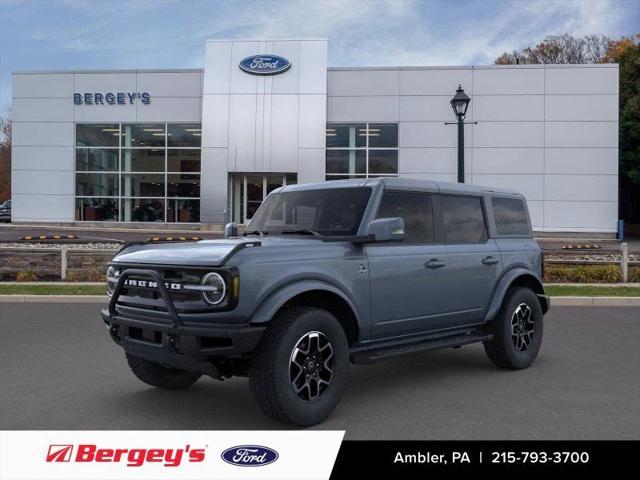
point(265, 64)
point(249, 455)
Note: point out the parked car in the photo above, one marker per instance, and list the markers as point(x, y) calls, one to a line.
point(5, 211)
point(331, 273)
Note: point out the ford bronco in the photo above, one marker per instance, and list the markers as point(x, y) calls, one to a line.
point(328, 274)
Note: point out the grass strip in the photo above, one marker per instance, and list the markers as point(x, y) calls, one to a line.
point(53, 289)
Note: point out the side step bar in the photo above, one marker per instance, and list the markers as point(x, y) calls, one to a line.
point(383, 353)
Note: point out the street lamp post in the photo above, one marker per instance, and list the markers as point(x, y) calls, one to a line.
point(460, 103)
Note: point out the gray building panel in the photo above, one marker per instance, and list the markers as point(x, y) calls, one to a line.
point(434, 81)
point(581, 79)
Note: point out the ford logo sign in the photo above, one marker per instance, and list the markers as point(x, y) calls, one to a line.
point(249, 456)
point(265, 64)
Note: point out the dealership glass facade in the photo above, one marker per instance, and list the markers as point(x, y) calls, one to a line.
point(361, 150)
point(138, 172)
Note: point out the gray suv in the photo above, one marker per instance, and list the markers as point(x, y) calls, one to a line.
point(349, 271)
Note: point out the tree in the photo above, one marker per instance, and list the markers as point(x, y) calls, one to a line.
point(560, 49)
point(5, 159)
point(600, 49)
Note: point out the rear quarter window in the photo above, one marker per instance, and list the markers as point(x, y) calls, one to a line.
point(510, 215)
point(463, 219)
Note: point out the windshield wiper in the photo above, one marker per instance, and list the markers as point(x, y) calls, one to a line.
point(255, 232)
point(301, 231)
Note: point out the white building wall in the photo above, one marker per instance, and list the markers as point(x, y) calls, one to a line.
point(550, 131)
point(44, 114)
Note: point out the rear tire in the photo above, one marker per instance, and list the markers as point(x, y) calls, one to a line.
point(299, 369)
point(517, 330)
point(156, 375)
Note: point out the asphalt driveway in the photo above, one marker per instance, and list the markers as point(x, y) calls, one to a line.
point(59, 370)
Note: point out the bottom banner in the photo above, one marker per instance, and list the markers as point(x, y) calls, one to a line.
point(239, 455)
point(414, 459)
point(121, 454)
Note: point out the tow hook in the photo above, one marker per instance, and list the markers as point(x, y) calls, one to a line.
point(173, 342)
point(114, 331)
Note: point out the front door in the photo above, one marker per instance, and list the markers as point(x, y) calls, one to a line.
point(408, 292)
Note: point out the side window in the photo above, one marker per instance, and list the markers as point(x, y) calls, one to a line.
point(463, 219)
point(415, 209)
point(510, 215)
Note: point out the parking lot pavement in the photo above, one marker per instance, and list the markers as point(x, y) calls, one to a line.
point(59, 370)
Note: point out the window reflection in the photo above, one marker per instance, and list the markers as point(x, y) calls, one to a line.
point(96, 185)
point(143, 185)
point(366, 149)
point(183, 211)
point(96, 159)
point(185, 135)
point(96, 209)
point(142, 210)
point(98, 135)
point(139, 166)
point(183, 185)
point(143, 135)
point(185, 161)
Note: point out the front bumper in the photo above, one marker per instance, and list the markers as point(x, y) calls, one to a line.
point(168, 340)
point(193, 348)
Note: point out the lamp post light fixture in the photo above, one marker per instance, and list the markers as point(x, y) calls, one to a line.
point(460, 103)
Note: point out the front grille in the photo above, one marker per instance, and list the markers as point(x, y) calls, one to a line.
point(150, 298)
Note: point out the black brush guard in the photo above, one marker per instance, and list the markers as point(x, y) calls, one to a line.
point(181, 346)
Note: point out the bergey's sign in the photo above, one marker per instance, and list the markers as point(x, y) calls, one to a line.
point(265, 64)
point(111, 98)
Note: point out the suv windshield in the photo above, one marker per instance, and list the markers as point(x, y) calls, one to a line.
point(327, 211)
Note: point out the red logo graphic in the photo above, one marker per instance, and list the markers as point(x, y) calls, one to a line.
point(131, 457)
point(59, 453)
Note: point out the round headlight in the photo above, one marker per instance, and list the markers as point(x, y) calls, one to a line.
point(112, 279)
point(215, 288)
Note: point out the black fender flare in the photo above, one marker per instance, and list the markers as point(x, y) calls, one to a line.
point(270, 306)
point(510, 277)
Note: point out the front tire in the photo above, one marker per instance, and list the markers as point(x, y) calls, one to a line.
point(517, 330)
point(299, 369)
point(156, 375)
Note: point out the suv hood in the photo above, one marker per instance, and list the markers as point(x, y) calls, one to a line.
point(210, 253)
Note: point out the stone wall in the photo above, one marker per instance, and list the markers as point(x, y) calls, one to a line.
point(46, 264)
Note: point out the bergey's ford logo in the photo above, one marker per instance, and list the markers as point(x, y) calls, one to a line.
point(265, 64)
point(249, 456)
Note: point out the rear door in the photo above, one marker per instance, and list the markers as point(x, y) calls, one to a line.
point(474, 260)
point(407, 289)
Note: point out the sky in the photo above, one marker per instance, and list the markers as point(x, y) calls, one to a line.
point(113, 34)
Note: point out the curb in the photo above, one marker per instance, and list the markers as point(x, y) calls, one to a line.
point(555, 301)
point(53, 299)
point(595, 302)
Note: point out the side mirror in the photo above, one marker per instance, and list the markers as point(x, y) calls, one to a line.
point(230, 230)
point(386, 229)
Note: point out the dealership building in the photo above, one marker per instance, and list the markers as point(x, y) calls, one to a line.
point(207, 145)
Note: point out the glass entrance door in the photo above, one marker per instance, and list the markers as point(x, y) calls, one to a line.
point(248, 191)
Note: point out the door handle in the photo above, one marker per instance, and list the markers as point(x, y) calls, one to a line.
point(490, 260)
point(434, 263)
